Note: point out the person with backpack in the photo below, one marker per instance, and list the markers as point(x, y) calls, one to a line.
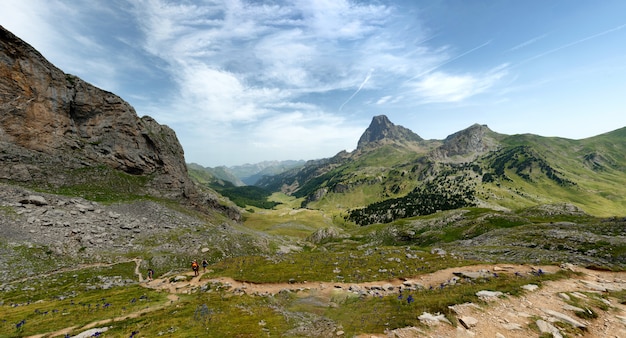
point(204, 265)
point(150, 274)
point(195, 267)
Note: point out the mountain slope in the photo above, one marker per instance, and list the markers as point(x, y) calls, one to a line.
point(395, 171)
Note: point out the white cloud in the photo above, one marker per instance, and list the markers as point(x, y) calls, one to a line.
point(243, 70)
point(445, 87)
point(384, 99)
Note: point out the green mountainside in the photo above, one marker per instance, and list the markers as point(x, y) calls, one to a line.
point(405, 176)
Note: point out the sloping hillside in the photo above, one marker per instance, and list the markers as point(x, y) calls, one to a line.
point(493, 170)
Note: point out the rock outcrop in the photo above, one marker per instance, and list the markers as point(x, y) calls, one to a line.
point(467, 144)
point(52, 122)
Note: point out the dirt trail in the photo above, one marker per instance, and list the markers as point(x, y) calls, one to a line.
point(137, 271)
point(512, 317)
point(507, 317)
point(432, 279)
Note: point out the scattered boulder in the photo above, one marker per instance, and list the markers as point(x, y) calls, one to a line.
point(474, 274)
point(92, 332)
point(488, 295)
point(35, 200)
point(530, 287)
point(565, 318)
point(438, 251)
point(545, 327)
point(430, 319)
point(468, 322)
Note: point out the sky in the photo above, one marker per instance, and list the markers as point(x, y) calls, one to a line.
point(246, 81)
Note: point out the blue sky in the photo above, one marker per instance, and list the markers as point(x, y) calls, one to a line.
point(243, 81)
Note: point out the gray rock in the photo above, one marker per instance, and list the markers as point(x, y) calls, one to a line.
point(530, 287)
point(430, 319)
point(91, 332)
point(438, 251)
point(565, 318)
point(488, 294)
point(512, 326)
point(545, 327)
point(474, 274)
point(35, 200)
point(468, 322)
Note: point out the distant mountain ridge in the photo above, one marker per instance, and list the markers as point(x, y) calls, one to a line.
point(473, 167)
point(247, 174)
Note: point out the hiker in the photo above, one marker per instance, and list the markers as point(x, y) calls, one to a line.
point(204, 265)
point(195, 267)
point(150, 274)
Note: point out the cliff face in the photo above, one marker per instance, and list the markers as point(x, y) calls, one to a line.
point(50, 119)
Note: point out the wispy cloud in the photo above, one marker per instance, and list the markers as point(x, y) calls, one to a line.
point(448, 60)
point(443, 87)
point(235, 67)
point(573, 43)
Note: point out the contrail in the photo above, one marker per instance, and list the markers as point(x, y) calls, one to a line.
point(448, 61)
point(574, 43)
point(528, 42)
point(369, 74)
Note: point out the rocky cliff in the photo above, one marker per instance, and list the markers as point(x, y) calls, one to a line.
point(52, 122)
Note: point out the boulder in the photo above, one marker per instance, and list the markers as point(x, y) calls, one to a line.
point(35, 200)
point(474, 274)
point(430, 319)
point(545, 327)
point(468, 322)
point(565, 318)
point(530, 287)
point(486, 295)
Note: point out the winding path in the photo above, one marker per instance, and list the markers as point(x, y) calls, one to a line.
point(328, 288)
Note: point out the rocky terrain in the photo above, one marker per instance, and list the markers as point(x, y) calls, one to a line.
point(51, 231)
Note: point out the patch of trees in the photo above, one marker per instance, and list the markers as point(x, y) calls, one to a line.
point(437, 195)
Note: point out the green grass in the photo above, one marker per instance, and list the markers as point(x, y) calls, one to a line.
point(99, 184)
point(349, 264)
point(74, 298)
point(65, 284)
point(298, 223)
point(377, 314)
point(56, 314)
point(211, 314)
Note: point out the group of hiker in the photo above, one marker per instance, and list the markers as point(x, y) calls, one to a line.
point(194, 266)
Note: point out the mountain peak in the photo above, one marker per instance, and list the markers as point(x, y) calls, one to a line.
point(468, 143)
point(382, 131)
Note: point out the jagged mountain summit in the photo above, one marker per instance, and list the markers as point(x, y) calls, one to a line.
point(52, 123)
point(382, 131)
